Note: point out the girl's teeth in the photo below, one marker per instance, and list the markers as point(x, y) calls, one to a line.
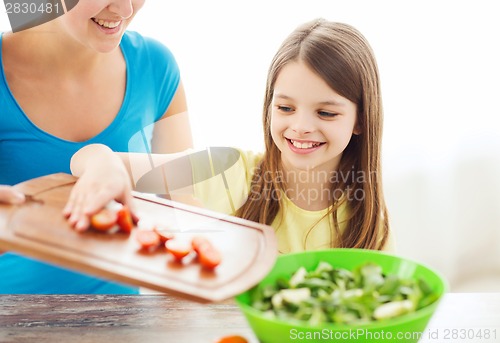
point(305, 145)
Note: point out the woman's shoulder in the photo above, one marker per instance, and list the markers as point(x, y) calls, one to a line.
point(135, 43)
point(137, 40)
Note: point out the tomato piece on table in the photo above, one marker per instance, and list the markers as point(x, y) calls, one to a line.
point(103, 220)
point(124, 220)
point(178, 248)
point(232, 339)
point(148, 239)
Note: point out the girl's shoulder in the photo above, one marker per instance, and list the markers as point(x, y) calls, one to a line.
point(223, 159)
point(250, 158)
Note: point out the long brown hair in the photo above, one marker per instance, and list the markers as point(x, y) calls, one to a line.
point(342, 57)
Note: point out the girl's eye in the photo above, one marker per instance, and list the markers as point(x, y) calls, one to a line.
point(285, 109)
point(325, 114)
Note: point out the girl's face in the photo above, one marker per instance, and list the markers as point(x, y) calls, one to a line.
point(310, 123)
point(100, 24)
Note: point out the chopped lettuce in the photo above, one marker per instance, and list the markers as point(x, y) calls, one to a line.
point(336, 295)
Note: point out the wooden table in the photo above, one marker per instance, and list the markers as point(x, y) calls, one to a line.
point(164, 318)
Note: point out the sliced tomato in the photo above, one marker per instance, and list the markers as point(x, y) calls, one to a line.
point(164, 234)
point(232, 339)
point(148, 239)
point(208, 256)
point(124, 220)
point(103, 220)
point(200, 243)
point(178, 248)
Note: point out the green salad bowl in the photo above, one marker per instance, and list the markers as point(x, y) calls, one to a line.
point(409, 327)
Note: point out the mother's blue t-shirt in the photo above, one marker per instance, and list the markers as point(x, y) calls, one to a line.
point(27, 152)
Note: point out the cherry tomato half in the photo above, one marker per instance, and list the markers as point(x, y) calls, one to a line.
point(200, 243)
point(178, 248)
point(208, 256)
point(164, 234)
point(148, 239)
point(103, 220)
point(124, 220)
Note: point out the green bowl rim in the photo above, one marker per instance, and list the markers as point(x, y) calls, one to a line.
point(421, 313)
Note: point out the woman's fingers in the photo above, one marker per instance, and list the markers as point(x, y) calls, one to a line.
point(88, 198)
point(103, 178)
point(68, 209)
point(76, 219)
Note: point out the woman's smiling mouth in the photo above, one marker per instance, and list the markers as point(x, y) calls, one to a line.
point(108, 24)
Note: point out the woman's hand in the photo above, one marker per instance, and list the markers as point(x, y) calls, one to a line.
point(102, 178)
point(9, 195)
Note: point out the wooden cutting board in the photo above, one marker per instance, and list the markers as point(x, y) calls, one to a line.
point(39, 230)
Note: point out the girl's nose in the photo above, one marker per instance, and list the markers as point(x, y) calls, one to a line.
point(301, 123)
point(123, 8)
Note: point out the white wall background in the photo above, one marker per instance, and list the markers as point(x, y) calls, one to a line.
point(440, 69)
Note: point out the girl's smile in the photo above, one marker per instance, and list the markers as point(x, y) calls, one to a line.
point(303, 147)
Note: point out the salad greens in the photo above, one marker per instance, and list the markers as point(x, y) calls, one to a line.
point(337, 295)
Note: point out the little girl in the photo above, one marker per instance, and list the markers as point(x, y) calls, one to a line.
point(319, 181)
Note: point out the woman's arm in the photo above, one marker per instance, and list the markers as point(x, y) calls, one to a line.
point(10, 196)
point(105, 176)
point(172, 133)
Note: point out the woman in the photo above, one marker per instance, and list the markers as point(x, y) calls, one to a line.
point(77, 80)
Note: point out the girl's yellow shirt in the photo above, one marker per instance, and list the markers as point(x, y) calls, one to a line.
point(224, 192)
